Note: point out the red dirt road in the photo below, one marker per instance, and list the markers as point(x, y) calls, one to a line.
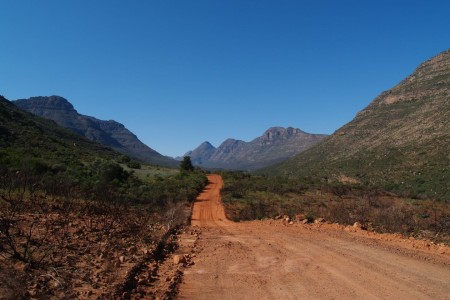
point(272, 260)
point(208, 210)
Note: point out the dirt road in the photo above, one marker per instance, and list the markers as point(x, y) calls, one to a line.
point(274, 260)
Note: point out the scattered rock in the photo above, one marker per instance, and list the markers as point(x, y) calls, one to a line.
point(319, 220)
point(300, 217)
point(122, 259)
point(179, 259)
point(357, 225)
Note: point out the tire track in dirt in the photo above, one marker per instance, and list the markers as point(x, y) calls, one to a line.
point(269, 260)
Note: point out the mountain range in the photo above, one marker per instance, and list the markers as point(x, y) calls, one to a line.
point(400, 141)
point(109, 133)
point(275, 145)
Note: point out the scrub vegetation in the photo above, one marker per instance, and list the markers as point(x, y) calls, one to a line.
point(249, 197)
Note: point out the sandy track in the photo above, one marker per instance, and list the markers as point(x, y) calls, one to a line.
point(271, 260)
point(208, 210)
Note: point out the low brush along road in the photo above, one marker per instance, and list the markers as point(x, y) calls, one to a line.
point(275, 260)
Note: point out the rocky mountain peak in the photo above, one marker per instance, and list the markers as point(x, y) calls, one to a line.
point(280, 132)
point(201, 153)
point(274, 145)
point(206, 145)
point(49, 103)
point(229, 145)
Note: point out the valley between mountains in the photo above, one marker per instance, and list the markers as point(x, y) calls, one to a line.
point(274, 259)
point(87, 211)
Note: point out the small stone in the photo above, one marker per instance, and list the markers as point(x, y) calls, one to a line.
point(122, 259)
point(319, 220)
point(179, 259)
point(357, 225)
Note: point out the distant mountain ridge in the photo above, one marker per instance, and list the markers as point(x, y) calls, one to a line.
point(275, 145)
point(400, 141)
point(109, 133)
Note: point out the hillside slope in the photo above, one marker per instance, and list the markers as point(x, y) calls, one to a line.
point(30, 141)
point(275, 145)
point(109, 133)
point(401, 141)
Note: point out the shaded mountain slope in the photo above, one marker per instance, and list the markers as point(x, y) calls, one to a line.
point(275, 145)
point(108, 133)
point(26, 139)
point(201, 154)
point(400, 141)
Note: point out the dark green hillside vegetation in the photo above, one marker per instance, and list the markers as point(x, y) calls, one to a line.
point(109, 133)
point(400, 142)
point(249, 197)
point(28, 141)
point(38, 152)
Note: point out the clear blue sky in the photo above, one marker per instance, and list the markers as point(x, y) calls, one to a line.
point(177, 73)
